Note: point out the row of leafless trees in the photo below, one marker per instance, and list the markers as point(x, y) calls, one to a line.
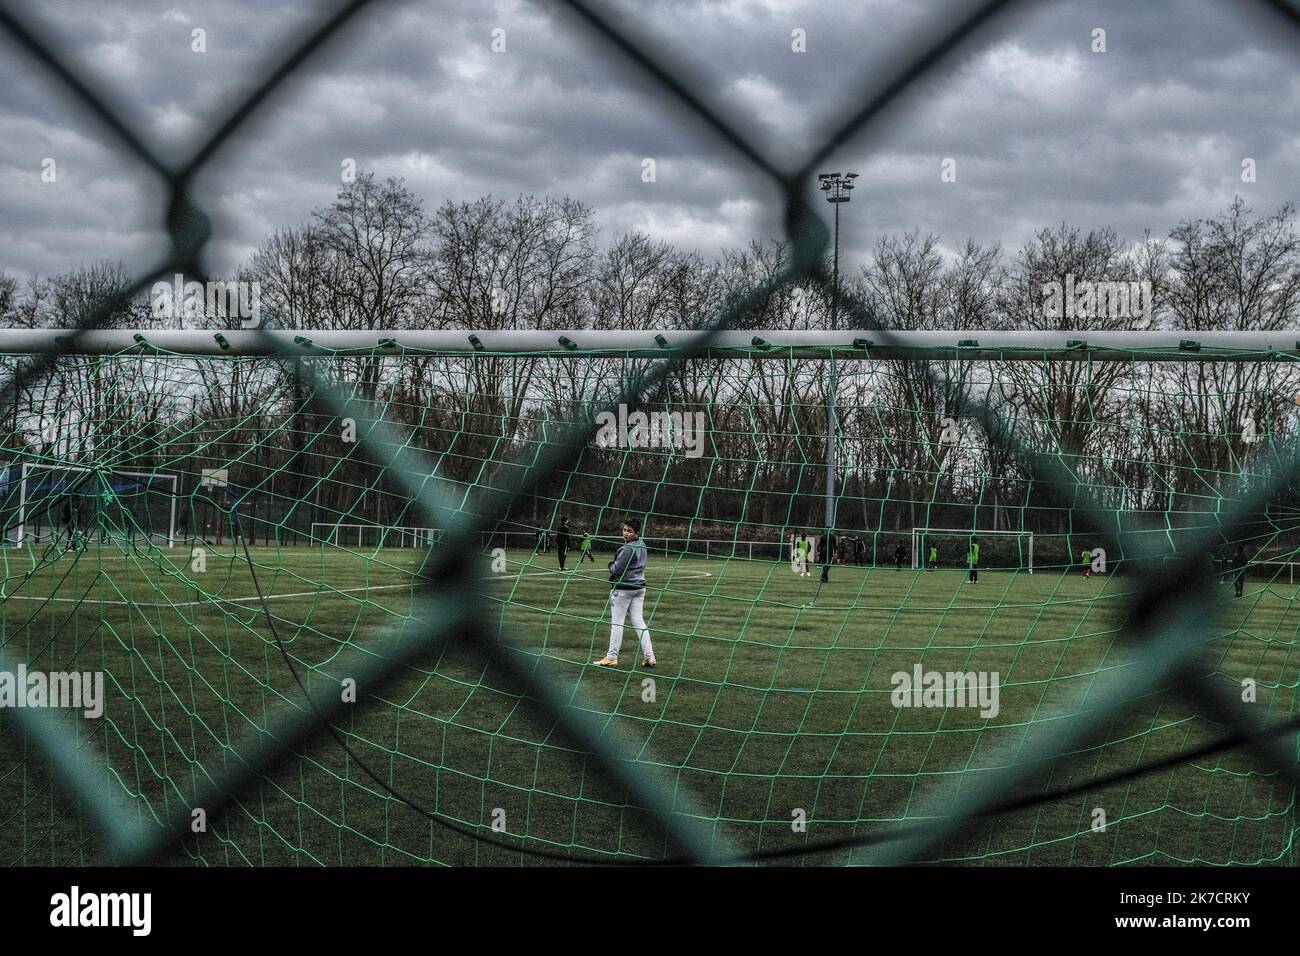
point(1155, 443)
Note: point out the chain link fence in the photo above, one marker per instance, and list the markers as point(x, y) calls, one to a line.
point(1165, 625)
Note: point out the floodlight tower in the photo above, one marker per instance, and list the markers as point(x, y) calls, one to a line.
point(837, 188)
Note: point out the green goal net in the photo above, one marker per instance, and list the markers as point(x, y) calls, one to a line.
point(410, 547)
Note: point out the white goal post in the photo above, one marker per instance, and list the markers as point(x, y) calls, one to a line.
point(919, 536)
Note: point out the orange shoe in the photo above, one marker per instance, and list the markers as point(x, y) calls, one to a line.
point(649, 662)
point(606, 662)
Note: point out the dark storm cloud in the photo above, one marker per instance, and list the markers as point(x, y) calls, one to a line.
point(1041, 128)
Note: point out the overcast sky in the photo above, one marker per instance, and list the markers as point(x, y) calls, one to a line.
point(1041, 128)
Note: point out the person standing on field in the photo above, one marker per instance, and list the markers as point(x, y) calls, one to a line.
point(70, 520)
point(1238, 571)
point(934, 558)
point(801, 549)
point(1085, 559)
point(627, 596)
point(584, 550)
point(973, 561)
point(899, 556)
point(562, 541)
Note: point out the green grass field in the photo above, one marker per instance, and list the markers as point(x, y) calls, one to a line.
point(772, 695)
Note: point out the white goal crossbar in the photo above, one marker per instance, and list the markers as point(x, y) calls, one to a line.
point(1154, 345)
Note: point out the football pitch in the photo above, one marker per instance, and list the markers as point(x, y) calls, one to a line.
point(771, 714)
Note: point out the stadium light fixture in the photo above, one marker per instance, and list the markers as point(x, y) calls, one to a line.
point(837, 187)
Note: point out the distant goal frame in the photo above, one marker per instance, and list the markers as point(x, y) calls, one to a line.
point(15, 535)
point(919, 533)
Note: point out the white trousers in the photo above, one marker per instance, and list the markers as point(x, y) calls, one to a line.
point(621, 604)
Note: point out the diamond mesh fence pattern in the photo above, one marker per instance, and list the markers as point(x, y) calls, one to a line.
point(1161, 633)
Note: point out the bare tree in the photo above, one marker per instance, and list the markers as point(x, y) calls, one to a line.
point(1066, 399)
point(379, 234)
point(1231, 271)
point(520, 265)
point(907, 286)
